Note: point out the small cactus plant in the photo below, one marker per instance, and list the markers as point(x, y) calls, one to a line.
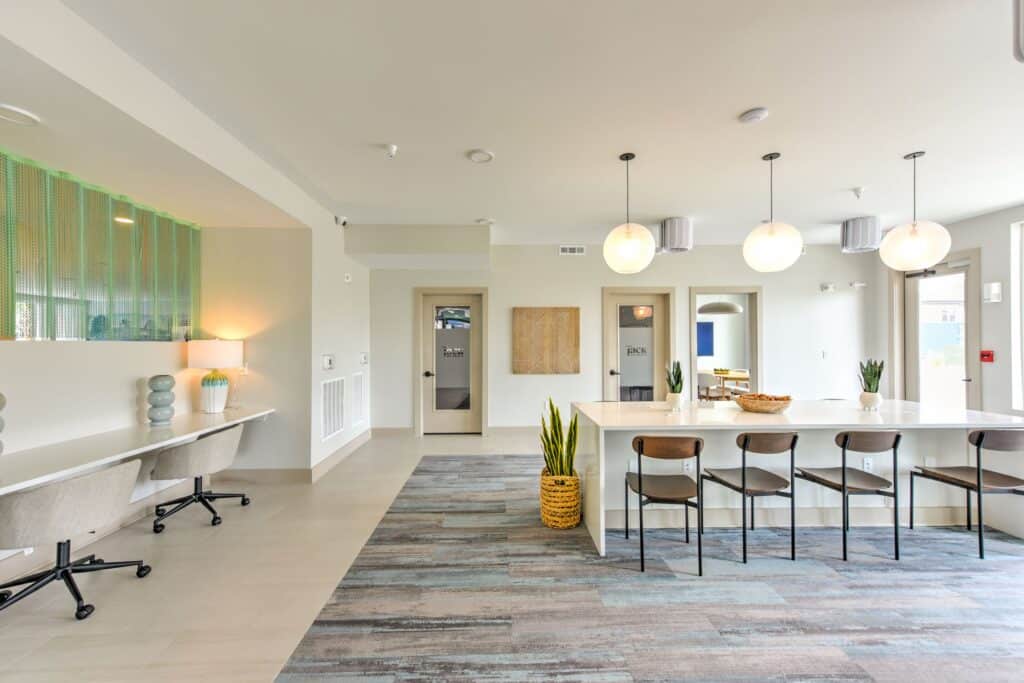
point(871, 375)
point(674, 378)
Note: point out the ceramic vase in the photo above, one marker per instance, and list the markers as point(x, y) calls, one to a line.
point(674, 401)
point(160, 399)
point(870, 400)
point(213, 393)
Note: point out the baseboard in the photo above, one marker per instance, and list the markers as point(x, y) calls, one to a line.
point(392, 431)
point(659, 518)
point(43, 557)
point(264, 476)
point(328, 463)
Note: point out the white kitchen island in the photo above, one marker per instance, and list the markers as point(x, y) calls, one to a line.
point(931, 435)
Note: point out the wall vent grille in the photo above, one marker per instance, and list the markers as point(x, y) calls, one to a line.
point(572, 250)
point(332, 405)
point(358, 400)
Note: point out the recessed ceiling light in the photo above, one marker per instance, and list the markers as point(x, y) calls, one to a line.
point(480, 156)
point(754, 115)
point(124, 220)
point(485, 221)
point(18, 116)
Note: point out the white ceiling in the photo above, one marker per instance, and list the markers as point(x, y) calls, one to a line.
point(558, 89)
point(86, 136)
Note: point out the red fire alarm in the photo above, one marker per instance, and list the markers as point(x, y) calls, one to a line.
point(988, 356)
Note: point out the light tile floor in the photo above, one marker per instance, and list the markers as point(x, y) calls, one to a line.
point(229, 602)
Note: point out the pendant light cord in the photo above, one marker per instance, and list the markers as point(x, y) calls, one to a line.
point(627, 192)
point(915, 190)
point(771, 190)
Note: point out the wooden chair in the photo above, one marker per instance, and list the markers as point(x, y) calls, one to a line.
point(754, 481)
point(977, 478)
point(672, 489)
point(850, 481)
point(708, 387)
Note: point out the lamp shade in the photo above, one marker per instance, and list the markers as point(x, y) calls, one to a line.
point(211, 354)
point(915, 246)
point(720, 308)
point(629, 248)
point(771, 247)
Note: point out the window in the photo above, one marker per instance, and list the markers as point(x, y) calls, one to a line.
point(79, 263)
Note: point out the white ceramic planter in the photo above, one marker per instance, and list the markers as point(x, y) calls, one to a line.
point(674, 401)
point(870, 400)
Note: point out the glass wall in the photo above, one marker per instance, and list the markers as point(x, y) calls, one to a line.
point(77, 262)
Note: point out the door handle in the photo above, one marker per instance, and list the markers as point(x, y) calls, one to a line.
point(967, 379)
point(428, 373)
point(614, 373)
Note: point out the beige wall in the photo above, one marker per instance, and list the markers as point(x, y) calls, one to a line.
point(255, 287)
point(801, 323)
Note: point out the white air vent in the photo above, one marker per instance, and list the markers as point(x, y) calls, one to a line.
point(676, 235)
point(572, 250)
point(332, 406)
point(357, 398)
point(860, 235)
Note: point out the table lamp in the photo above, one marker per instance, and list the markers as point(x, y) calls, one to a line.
point(214, 355)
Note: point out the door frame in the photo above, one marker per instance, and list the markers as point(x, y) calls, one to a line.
point(972, 328)
point(417, 351)
point(608, 313)
point(755, 321)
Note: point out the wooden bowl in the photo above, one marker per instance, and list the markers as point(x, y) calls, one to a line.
point(756, 405)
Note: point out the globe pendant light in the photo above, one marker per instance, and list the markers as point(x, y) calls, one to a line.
point(629, 248)
point(771, 246)
point(916, 245)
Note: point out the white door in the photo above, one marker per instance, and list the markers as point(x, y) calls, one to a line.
point(452, 364)
point(942, 336)
point(635, 347)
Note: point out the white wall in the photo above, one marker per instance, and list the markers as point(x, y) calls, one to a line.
point(340, 326)
point(250, 291)
point(991, 234)
point(801, 324)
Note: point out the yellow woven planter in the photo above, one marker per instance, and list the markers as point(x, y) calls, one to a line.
point(559, 500)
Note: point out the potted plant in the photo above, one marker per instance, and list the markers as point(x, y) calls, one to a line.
point(559, 484)
point(674, 380)
point(870, 376)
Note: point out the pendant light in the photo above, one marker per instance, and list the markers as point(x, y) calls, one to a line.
point(629, 248)
point(720, 308)
point(771, 246)
point(916, 245)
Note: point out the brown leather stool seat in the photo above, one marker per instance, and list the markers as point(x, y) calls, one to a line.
point(967, 476)
point(664, 488)
point(857, 480)
point(759, 481)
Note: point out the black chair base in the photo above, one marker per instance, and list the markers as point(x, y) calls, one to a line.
point(64, 570)
point(200, 496)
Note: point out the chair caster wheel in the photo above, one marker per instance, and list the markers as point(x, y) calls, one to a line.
point(5, 596)
point(246, 500)
point(157, 527)
point(143, 571)
point(216, 520)
point(159, 512)
point(84, 611)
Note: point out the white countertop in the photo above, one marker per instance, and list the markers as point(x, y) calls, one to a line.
point(726, 415)
point(34, 466)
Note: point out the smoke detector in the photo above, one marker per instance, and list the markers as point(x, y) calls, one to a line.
point(480, 156)
point(676, 235)
point(753, 115)
point(860, 235)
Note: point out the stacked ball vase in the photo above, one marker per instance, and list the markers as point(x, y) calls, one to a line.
point(161, 400)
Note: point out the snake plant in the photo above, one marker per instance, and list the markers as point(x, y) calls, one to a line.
point(871, 375)
point(559, 446)
point(674, 378)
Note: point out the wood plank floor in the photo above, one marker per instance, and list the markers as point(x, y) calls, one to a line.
point(460, 581)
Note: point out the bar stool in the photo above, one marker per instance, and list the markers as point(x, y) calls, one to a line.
point(976, 478)
point(850, 481)
point(193, 460)
point(754, 481)
point(53, 512)
point(671, 489)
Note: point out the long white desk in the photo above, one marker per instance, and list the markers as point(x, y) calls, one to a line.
point(34, 466)
point(607, 428)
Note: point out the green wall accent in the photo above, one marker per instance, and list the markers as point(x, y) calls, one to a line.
point(69, 270)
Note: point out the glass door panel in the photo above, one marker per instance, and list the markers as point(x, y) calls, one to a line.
point(941, 333)
point(636, 353)
point(452, 328)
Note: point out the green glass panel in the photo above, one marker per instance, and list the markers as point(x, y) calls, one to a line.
point(7, 229)
point(97, 249)
point(145, 230)
point(30, 260)
point(67, 270)
point(183, 306)
point(164, 276)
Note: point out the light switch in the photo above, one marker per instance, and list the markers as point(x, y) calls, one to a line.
point(364, 358)
point(327, 361)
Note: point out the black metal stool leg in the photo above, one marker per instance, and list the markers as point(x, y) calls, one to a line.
point(686, 521)
point(625, 498)
point(743, 507)
point(968, 509)
point(752, 513)
point(912, 477)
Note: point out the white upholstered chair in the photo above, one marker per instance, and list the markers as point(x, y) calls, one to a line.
point(53, 512)
point(709, 387)
point(195, 460)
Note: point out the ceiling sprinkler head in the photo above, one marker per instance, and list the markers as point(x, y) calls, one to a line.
point(391, 150)
point(858, 191)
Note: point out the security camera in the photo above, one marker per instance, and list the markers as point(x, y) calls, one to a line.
point(341, 220)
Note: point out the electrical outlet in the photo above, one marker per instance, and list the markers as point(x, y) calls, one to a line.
point(869, 465)
point(327, 361)
point(688, 466)
point(364, 358)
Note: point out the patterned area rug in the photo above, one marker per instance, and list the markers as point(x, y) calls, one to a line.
point(460, 581)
